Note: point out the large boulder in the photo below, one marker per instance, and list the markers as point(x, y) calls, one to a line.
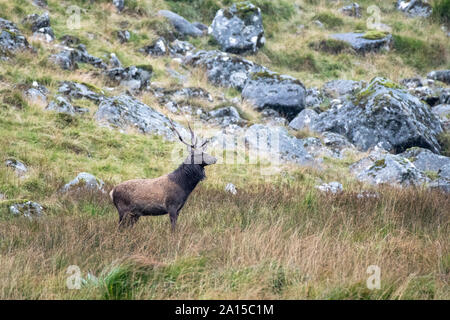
point(341, 88)
point(440, 75)
point(383, 113)
point(239, 29)
point(385, 168)
point(184, 27)
point(225, 116)
point(11, 39)
point(443, 112)
point(364, 42)
point(415, 8)
point(124, 112)
point(303, 120)
point(224, 69)
point(425, 160)
point(279, 92)
point(277, 142)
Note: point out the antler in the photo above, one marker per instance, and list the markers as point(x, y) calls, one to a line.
point(172, 127)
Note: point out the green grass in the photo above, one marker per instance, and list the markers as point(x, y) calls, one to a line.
point(329, 20)
point(441, 12)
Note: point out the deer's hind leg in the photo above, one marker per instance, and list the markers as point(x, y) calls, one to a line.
point(127, 218)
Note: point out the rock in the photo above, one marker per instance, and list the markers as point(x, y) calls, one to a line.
point(2, 196)
point(313, 98)
point(276, 142)
point(134, 78)
point(352, 10)
point(225, 116)
point(84, 181)
point(123, 36)
point(363, 45)
point(279, 92)
point(303, 120)
point(443, 112)
point(425, 160)
point(119, 4)
point(239, 29)
point(114, 61)
point(380, 168)
point(200, 26)
point(230, 188)
point(319, 24)
point(19, 167)
point(189, 93)
point(342, 88)
point(415, 8)
point(440, 75)
point(383, 113)
point(75, 90)
point(11, 39)
point(37, 93)
point(224, 69)
point(45, 34)
point(125, 112)
point(70, 41)
point(62, 105)
point(184, 27)
point(178, 47)
point(157, 48)
point(40, 3)
point(69, 57)
point(332, 187)
point(27, 209)
point(37, 21)
point(273, 118)
point(337, 143)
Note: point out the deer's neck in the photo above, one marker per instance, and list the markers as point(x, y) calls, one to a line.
point(187, 176)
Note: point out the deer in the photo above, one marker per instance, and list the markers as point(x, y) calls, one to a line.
point(166, 194)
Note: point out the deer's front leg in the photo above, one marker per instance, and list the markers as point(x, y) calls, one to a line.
point(173, 219)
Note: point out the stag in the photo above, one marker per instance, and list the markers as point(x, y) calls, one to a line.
point(166, 194)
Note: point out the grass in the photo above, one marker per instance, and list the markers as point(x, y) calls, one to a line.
point(441, 12)
point(277, 238)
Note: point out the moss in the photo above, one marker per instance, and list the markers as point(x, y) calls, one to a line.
point(146, 67)
point(375, 34)
point(378, 165)
point(433, 175)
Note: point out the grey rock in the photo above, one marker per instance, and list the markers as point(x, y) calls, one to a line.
point(425, 160)
point(125, 112)
point(75, 90)
point(225, 116)
point(362, 45)
point(119, 4)
point(178, 47)
point(239, 29)
point(114, 61)
point(383, 113)
point(62, 105)
point(415, 8)
point(273, 118)
point(37, 93)
point(313, 98)
point(40, 3)
point(158, 48)
point(45, 34)
point(224, 69)
point(123, 36)
point(352, 10)
point(277, 142)
point(342, 88)
point(70, 41)
point(332, 187)
point(84, 181)
point(184, 27)
point(385, 168)
point(37, 21)
point(11, 39)
point(29, 209)
point(68, 58)
point(443, 112)
point(337, 143)
point(200, 26)
point(2, 196)
point(131, 77)
point(279, 92)
point(303, 120)
point(19, 167)
point(440, 75)
point(231, 188)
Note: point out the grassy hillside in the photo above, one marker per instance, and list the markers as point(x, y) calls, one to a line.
point(279, 237)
